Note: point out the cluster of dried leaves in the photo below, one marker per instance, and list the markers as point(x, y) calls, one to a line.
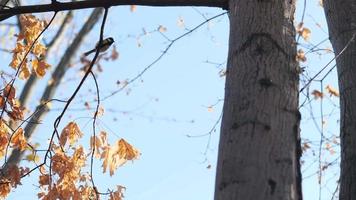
point(113, 156)
point(305, 33)
point(14, 138)
point(63, 175)
point(329, 89)
point(9, 104)
point(68, 181)
point(26, 43)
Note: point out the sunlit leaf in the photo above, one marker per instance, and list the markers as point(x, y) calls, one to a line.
point(9, 92)
point(40, 67)
point(118, 194)
point(332, 91)
point(303, 31)
point(18, 140)
point(162, 29)
point(71, 132)
point(133, 8)
point(32, 158)
point(117, 155)
point(301, 56)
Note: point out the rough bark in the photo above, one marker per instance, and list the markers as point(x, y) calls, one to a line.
point(57, 76)
point(259, 143)
point(341, 18)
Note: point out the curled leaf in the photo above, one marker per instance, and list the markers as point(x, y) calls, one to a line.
point(332, 91)
point(71, 132)
point(40, 67)
point(19, 140)
point(301, 56)
point(317, 94)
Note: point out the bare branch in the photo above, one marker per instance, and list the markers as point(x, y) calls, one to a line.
point(61, 6)
point(164, 52)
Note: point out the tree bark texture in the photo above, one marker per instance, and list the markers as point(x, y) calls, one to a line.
point(259, 147)
point(341, 18)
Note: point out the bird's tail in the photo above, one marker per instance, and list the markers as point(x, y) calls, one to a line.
point(89, 52)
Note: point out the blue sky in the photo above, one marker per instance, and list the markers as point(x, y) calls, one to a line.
point(169, 102)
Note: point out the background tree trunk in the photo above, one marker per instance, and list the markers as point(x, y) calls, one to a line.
point(341, 18)
point(259, 144)
point(57, 76)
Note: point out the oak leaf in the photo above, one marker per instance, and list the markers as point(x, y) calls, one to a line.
point(40, 67)
point(117, 155)
point(9, 92)
point(71, 132)
point(317, 94)
point(301, 56)
point(303, 31)
point(18, 140)
point(332, 91)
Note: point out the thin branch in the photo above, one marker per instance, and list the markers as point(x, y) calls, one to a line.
point(94, 127)
point(337, 56)
point(31, 82)
point(60, 33)
point(171, 43)
point(98, 98)
point(56, 6)
point(57, 76)
point(12, 82)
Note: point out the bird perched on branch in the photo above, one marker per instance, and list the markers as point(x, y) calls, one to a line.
point(103, 47)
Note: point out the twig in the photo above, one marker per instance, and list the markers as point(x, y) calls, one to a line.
point(162, 54)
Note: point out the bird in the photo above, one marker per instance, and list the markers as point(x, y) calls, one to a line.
point(103, 47)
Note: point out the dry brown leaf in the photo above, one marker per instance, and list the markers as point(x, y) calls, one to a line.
point(117, 155)
point(162, 29)
point(305, 33)
point(332, 91)
point(5, 189)
point(40, 67)
point(133, 8)
point(317, 94)
point(71, 132)
point(19, 140)
point(301, 56)
point(9, 92)
point(118, 194)
point(25, 72)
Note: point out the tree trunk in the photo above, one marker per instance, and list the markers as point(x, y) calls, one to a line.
point(341, 18)
point(259, 144)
